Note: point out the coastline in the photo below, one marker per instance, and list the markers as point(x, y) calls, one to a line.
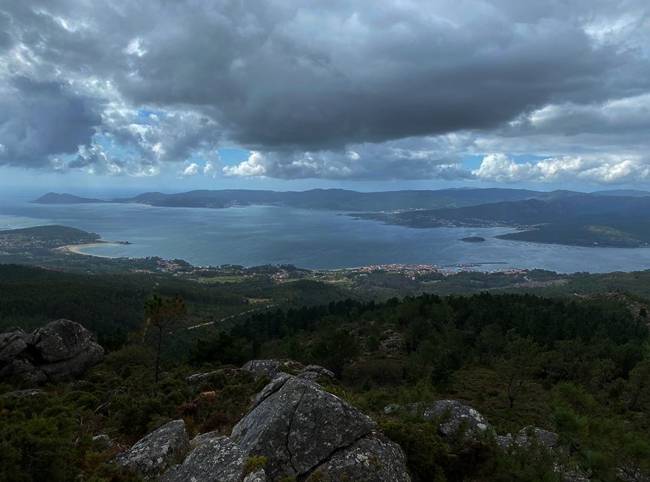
point(78, 249)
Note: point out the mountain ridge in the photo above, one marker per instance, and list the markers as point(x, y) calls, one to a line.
point(332, 199)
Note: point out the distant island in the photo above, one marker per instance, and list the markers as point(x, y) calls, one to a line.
point(56, 198)
point(473, 239)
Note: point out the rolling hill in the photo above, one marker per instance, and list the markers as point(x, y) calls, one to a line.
point(580, 219)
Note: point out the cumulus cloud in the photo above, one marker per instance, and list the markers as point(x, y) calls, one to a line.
point(255, 165)
point(191, 169)
point(338, 90)
point(210, 169)
point(405, 159)
point(161, 136)
point(596, 169)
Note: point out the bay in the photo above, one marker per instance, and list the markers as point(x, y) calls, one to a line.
point(257, 235)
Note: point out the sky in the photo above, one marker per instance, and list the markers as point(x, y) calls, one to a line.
point(117, 95)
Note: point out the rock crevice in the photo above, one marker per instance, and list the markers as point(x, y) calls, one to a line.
point(290, 429)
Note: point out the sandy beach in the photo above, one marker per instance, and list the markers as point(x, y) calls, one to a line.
point(78, 248)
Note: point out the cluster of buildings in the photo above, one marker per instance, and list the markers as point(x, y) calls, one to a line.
point(406, 269)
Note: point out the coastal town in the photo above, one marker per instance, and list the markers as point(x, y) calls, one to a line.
point(56, 247)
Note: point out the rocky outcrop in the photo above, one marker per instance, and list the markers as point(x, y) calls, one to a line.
point(540, 439)
point(465, 428)
point(455, 419)
point(295, 430)
point(157, 451)
point(461, 422)
point(213, 459)
point(61, 340)
point(272, 368)
point(371, 459)
point(60, 350)
point(298, 426)
point(308, 433)
point(12, 344)
point(529, 436)
point(504, 442)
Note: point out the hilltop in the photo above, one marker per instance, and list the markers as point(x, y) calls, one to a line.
point(56, 198)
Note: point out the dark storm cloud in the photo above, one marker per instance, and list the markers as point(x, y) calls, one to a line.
point(304, 79)
point(40, 119)
point(5, 38)
point(307, 83)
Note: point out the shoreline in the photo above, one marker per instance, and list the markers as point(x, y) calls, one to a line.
point(78, 249)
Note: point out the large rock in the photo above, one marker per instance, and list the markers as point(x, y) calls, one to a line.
point(455, 419)
point(61, 349)
point(62, 340)
point(299, 427)
point(301, 431)
point(215, 459)
point(371, 459)
point(157, 451)
point(14, 357)
point(12, 344)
